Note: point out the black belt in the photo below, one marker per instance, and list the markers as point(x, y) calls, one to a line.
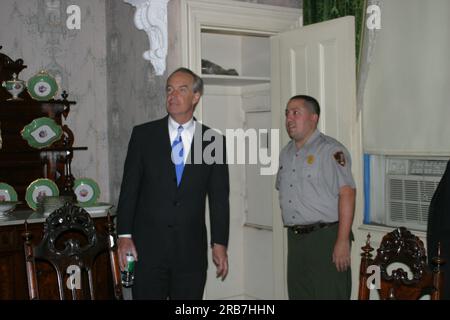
point(308, 228)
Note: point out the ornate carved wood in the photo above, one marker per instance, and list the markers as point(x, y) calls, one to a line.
point(401, 246)
point(366, 261)
point(71, 244)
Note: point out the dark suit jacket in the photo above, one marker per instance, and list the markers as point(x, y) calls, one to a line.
point(167, 222)
point(439, 227)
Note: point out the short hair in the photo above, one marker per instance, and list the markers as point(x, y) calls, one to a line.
point(310, 103)
point(198, 82)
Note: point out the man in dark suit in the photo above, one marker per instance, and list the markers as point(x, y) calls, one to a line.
point(438, 230)
point(161, 210)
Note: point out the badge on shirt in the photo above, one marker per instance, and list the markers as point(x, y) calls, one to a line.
point(340, 158)
point(310, 159)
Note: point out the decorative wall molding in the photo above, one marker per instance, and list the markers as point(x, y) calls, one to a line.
point(151, 16)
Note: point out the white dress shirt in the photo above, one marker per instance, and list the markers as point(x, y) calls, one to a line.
point(186, 135)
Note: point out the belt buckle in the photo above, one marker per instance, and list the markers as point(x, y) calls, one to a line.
point(304, 229)
point(310, 228)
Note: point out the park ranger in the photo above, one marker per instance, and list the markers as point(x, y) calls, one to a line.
point(317, 199)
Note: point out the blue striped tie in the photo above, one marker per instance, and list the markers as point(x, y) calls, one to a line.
point(177, 155)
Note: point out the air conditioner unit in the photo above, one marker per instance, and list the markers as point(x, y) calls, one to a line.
point(410, 186)
point(408, 200)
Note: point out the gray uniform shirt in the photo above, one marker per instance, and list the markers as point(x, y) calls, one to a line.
point(309, 180)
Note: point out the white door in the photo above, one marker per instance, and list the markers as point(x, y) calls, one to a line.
point(318, 60)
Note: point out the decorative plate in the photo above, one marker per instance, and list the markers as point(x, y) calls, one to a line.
point(41, 132)
point(40, 188)
point(87, 191)
point(7, 193)
point(42, 86)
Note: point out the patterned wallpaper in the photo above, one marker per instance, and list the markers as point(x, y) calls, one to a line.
point(36, 32)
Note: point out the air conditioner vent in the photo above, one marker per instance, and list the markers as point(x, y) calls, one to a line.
point(411, 190)
point(428, 189)
point(396, 189)
point(409, 198)
point(396, 209)
point(413, 212)
point(425, 212)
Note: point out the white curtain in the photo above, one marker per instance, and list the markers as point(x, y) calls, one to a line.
point(405, 94)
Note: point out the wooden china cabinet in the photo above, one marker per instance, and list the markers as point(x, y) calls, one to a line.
point(20, 165)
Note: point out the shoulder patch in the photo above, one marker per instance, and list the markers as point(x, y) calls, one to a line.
point(340, 158)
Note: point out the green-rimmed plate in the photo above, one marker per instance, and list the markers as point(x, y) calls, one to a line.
point(7, 192)
point(41, 132)
point(42, 86)
point(87, 191)
point(40, 188)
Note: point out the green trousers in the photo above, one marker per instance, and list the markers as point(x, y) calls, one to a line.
point(311, 272)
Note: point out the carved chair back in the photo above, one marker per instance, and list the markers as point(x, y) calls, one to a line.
point(73, 257)
point(399, 247)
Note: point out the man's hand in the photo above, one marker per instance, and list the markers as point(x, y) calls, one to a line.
point(220, 259)
point(125, 245)
point(341, 255)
